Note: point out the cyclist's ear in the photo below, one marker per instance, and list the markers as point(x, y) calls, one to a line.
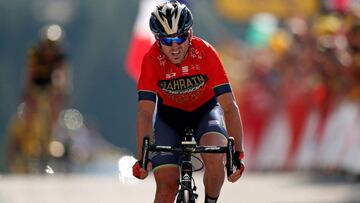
point(190, 35)
point(190, 32)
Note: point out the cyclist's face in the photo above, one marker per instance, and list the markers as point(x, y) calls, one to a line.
point(176, 52)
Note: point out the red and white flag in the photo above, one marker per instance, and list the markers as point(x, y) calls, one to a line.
point(141, 39)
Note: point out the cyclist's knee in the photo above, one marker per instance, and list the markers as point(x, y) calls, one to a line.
point(214, 161)
point(213, 139)
point(167, 179)
point(166, 184)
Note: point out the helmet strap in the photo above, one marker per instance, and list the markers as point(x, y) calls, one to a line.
point(157, 41)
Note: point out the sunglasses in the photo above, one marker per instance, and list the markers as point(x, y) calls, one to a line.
point(178, 39)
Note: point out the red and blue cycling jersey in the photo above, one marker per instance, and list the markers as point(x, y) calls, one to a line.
point(199, 78)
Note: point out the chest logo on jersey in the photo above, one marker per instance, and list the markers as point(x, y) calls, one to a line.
point(170, 75)
point(185, 70)
point(183, 85)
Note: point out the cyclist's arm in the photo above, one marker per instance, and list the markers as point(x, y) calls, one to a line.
point(232, 119)
point(144, 122)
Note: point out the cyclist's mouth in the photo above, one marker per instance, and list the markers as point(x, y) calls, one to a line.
point(176, 53)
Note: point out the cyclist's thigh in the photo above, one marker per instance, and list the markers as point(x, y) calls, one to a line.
point(212, 123)
point(165, 135)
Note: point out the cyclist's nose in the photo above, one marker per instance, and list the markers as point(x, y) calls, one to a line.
point(174, 44)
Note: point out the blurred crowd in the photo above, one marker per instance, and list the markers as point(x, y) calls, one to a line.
point(297, 82)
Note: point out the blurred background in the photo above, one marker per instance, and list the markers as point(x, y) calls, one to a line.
point(294, 66)
point(95, 38)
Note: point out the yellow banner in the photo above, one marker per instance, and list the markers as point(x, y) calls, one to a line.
point(242, 10)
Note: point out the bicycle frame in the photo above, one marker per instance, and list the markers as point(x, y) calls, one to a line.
point(187, 192)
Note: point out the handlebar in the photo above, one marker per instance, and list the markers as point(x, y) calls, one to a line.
point(190, 147)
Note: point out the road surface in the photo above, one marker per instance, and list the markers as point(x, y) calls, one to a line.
point(253, 188)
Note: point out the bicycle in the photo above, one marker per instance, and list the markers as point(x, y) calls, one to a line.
point(187, 191)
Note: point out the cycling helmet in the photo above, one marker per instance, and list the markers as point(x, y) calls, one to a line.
point(170, 18)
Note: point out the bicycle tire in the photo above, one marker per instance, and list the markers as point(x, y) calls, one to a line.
point(185, 197)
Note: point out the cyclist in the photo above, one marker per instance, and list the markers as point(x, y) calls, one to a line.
point(47, 71)
point(47, 80)
point(183, 78)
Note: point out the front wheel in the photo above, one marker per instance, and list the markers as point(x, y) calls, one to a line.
point(185, 197)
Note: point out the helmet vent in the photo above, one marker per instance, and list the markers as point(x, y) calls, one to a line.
point(171, 18)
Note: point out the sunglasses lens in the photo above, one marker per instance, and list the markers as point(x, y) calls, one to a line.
point(178, 39)
point(166, 41)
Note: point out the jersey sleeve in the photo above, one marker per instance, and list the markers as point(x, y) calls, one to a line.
point(219, 79)
point(147, 82)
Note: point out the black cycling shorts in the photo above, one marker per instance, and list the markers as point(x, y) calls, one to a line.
point(171, 134)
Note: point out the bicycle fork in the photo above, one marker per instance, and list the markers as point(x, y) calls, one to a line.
point(187, 192)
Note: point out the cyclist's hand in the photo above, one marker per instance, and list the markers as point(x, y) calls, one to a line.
point(139, 172)
point(240, 166)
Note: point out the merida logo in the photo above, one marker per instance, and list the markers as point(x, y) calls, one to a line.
point(186, 177)
point(183, 85)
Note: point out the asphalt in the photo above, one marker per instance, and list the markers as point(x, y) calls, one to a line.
point(252, 188)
